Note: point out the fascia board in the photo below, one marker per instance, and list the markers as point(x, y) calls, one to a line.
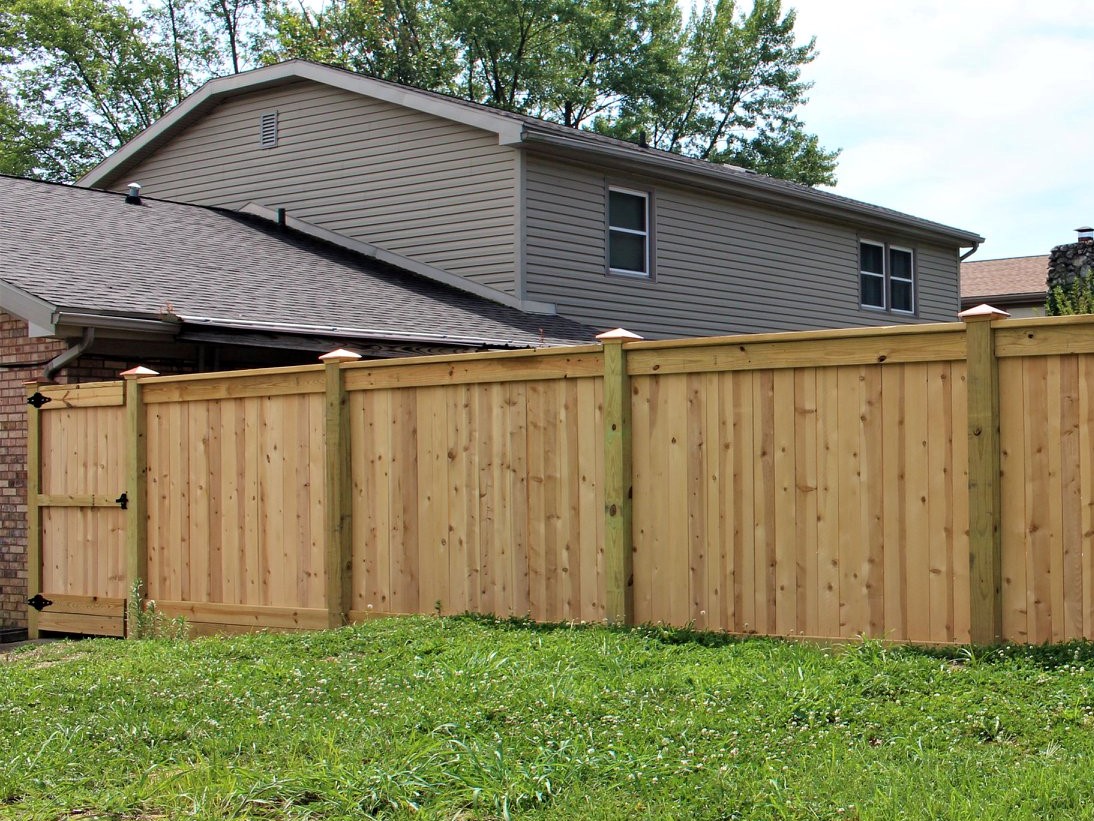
point(508, 130)
point(756, 187)
point(36, 311)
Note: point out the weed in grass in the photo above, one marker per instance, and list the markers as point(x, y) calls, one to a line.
point(144, 621)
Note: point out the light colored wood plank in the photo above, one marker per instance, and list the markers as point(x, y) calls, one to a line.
point(470, 369)
point(1085, 445)
point(784, 489)
point(518, 450)
point(1048, 339)
point(854, 616)
point(916, 490)
point(1054, 430)
point(895, 518)
point(697, 535)
point(745, 457)
point(673, 579)
point(1071, 498)
point(234, 385)
point(85, 395)
point(645, 509)
point(752, 353)
point(939, 505)
point(874, 492)
point(807, 547)
point(962, 590)
point(1038, 541)
point(1012, 458)
point(763, 527)
point(78, 623)
point(589, 464)
point(252, 616)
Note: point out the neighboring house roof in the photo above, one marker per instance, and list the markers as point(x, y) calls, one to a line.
point(520, 130)
point(1002, 282)
point(77, 257)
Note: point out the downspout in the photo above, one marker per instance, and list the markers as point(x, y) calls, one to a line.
point(72, 354)
point(970, 252)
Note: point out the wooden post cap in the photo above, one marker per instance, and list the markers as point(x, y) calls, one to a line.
point(340, 355)
point(617, 335)
point(983, 312)
point(139, 371)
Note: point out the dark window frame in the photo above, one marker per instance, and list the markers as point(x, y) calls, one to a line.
point(887, 277)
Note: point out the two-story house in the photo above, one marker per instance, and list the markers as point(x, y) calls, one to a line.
point(602, 231)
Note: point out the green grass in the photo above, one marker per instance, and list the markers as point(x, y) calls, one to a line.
point(459, 718)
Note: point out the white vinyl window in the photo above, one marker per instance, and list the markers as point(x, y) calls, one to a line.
point(886, 277)
point(628, 232)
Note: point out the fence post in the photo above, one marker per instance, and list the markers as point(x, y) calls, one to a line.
point(34, 513)
point(985, 546)
point(618, 536)
point(339, 501)
point(136, 485)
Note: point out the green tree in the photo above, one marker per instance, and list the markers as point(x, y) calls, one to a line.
point(731, 94)
point(399, 40)
point(85, 77)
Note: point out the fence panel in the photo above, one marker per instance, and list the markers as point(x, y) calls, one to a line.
point(794, 500)
point(1047, 476)
point(236, 499)
point(482, 495)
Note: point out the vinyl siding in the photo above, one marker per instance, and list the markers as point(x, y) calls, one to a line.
point(434, 190)
point(720, 266)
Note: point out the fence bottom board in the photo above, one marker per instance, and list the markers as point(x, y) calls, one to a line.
point(81, 623)
point(246, 616)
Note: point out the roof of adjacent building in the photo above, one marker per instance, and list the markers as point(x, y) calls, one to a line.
point(79, 252)
point(522, 130)
point(1017, 279)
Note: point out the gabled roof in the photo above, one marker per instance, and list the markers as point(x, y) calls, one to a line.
point(1016, 279)
point(77, 257)
point(520, 130)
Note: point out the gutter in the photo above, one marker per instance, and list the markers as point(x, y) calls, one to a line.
point(970, 252)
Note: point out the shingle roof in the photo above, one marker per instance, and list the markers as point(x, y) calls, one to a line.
point(1002, 277)
point(80, 249)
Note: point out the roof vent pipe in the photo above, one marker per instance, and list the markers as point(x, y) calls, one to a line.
point(133, 195)
point(1086, 234)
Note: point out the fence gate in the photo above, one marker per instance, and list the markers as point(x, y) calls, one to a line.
point(76, 499)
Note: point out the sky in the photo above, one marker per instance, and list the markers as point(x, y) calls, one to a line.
point(975, 114)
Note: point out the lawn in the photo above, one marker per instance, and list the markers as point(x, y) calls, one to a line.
point(460, 718)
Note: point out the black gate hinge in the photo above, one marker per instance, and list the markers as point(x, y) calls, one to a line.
point(38, 602)
point(123, 501)
point(38, 399)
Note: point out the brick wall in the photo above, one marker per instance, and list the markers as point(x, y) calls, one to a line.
point(16, 348)
point(22, 360)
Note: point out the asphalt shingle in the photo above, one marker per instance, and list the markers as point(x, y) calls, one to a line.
point(89, 250)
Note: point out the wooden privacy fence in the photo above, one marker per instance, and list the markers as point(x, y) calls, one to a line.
point(929, 483)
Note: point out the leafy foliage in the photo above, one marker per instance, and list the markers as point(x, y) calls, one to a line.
point(84, 76)
point(1075, 297)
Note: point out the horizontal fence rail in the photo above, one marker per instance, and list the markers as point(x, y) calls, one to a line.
point(924, 483)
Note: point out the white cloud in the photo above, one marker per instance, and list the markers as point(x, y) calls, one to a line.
point(976, 114)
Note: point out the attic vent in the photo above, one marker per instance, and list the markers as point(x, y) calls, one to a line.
point(268, 128)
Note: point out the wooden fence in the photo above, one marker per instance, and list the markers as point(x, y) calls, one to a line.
point(927, 483)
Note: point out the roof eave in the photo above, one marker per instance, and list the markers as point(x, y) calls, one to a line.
point(756, 186)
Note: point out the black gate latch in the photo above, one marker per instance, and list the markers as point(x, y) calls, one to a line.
point(38, 602)
point(38, 399)
point(123, 501)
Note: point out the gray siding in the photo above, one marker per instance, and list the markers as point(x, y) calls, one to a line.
point(437, 191)
point(720, 266)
